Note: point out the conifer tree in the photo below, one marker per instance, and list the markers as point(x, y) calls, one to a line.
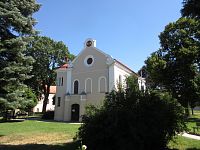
point(191, 8)
point(16, 30)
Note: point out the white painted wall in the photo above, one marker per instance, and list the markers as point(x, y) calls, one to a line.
point(50, 106)
point(142, 82)
point(120, 71)
point(60, 92)
point(111, 79)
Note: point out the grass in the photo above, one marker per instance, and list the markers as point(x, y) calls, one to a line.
point(191, 122)
point(182, 143)
point(47, 135)
point(36, 132)
point(66, 146)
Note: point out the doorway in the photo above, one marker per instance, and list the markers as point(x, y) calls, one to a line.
point(75, 112)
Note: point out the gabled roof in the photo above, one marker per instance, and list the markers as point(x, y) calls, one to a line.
point(106, 55)
point(117, 61)
point(95, 49)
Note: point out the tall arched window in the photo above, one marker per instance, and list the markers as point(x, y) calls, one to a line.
point(76, 85)
point(88, 85)
point(102, 85)
point(120, 80)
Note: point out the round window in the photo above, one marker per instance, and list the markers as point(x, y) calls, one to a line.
point(89, 61)
point(89, 43)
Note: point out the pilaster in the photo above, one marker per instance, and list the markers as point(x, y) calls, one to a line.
point(69, 80)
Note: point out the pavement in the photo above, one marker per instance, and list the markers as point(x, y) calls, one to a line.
point(191, 136)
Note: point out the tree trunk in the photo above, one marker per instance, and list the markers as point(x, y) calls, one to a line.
point(192, 111)
point(13, 114)
point(187, 110)
point(46, 97)
point(5, 116)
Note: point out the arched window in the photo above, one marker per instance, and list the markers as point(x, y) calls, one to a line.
point(76, 85)
point(102, 85)
point(120, 80)
point(88, 85)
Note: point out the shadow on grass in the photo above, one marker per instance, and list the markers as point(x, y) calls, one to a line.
point(192, 149)
point(67, 146)
point(193, 120)
point(12, 121)
point(50, 120)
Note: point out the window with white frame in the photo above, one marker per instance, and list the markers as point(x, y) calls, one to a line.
point(88, 85)
point(120, 80)
point(102, 85)
point(60, 81)
point(76, 86)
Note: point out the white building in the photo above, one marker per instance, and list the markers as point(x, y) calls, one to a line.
point(85, 81)
point(50, 103)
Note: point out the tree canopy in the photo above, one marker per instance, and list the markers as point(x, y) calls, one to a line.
point(176, 65)
point(191, 8)
point(48, 55)
point(16, 31)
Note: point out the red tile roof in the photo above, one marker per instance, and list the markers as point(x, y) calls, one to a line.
point(64, 66)
point(52, 90)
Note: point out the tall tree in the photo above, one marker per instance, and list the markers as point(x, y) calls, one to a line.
point(175, 64)
point(48, 55)
point(191, 8)
point(16, 29)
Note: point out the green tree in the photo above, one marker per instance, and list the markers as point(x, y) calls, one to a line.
point(176, 64)
point(131, 119)
point(48, 55)
point(30, 102)
point(16, 30)
point(191, 8)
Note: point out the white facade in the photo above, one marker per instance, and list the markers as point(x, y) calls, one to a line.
point(50, 104)
point(86, 80)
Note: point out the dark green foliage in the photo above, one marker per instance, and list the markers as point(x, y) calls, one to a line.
point(191, 8)
point(48, 55)
point(49, 115)
point(176, 64)
point(131, 119)
point(16, 31)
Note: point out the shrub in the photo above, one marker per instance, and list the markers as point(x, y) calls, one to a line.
point(131, 119)
point(48, 115)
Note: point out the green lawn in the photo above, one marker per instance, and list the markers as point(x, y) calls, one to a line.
point(33, 126)
point(182, 143)
point(36, 132)
point(192, 121)
point(66, 146)
point(42, 135)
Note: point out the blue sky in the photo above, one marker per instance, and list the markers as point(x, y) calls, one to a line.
point(126, 29)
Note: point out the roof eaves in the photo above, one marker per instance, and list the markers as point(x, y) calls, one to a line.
point(125, 67)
